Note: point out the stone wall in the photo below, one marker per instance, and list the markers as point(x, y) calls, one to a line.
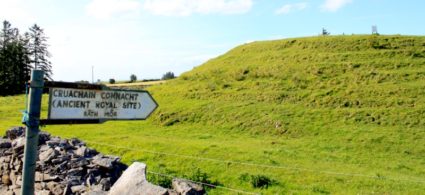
point(68, 166)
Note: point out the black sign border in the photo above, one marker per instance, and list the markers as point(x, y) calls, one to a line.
point(69, 85)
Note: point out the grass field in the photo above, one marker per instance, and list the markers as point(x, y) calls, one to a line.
point(319, 115)
point(137, 84)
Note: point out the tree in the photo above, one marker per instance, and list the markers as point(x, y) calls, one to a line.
point(111, 81)
point(325, 32)
point(7, 34)
point(133, 78)
point(168, 75)
point(37, 48)
point(15, 65)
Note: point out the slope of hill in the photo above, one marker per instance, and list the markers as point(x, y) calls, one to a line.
point(345, 96)
point(297, 86)
point(335, 114)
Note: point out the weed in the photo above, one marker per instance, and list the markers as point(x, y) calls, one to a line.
point(258, 181)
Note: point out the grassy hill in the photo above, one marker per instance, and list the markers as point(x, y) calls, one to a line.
point(334, 114)
point(294, 86)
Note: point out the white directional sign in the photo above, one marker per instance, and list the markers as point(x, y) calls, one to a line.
point(82, 104)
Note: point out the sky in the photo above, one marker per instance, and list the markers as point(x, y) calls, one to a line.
point(148, 38)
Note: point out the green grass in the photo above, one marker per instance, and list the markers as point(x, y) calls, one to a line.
point(337, 114)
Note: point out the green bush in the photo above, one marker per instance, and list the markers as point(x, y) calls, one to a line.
point(168, 75)
point(261, 181)
point(133, 78)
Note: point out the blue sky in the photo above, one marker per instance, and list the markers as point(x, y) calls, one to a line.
point(151, 37)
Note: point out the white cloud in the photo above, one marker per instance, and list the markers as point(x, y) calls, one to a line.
point(189, 7)
point(286, 9)
point(14, 11)
point(334, 5)
point(104, 9)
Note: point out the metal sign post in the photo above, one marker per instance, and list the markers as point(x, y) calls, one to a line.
point(31, 133)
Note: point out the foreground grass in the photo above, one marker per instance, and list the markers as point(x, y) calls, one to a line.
point(354, 163)
point(341, 115)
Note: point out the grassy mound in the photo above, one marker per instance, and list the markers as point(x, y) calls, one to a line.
point(298, 86)
point(334, 114)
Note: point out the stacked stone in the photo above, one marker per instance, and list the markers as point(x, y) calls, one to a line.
point(64, 166)
point(68, 166)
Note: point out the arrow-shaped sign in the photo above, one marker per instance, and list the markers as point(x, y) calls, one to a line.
point(75, 104)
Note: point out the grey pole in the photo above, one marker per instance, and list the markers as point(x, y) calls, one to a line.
point(31, 133)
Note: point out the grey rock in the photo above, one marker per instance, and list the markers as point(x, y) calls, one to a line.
point(104, 161)
point(43, 137)
point(15, 132)
point(13, 177)
point(67, 189)
point(60, 150)
point(60, 159)
point(79, 162)
point(4, 189)
point(50, 185)
point(95, 188)
point(78, 189)
point(75, 172)
point(81, 151)
point(91, 152)
point(90, 181)
point(93, 171)
point(18, 145)
point(16, 162)
point(6, 151)
point(18, 167)
point(5, 159)
point(48, 155)
point(13, 187)
point(62, 167)
point(97, 179)
point(45, 177)
point(105, 183)
point(95, 192)
point(17, 191)
point(64, 144)
point(6, 167)
point(74, 180)
point(42, 192)
point(38, 186)
point(10, 192)
point(185, 187)
point(53, 142)
point(43, 148)
point(57, 190)
point(75, 142)
point(172, 192)
point(133, 181)
point(5, 143)
point(19, 180)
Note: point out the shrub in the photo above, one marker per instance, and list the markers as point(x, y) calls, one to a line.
point(203, 177)
point(111, 81)
point(261, 181)
point(160, 180)
point(133, 78)
point(168, 75)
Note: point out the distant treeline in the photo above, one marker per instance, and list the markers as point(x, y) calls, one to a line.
point(19, 54)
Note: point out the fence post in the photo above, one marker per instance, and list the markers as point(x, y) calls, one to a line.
point(31, 133)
